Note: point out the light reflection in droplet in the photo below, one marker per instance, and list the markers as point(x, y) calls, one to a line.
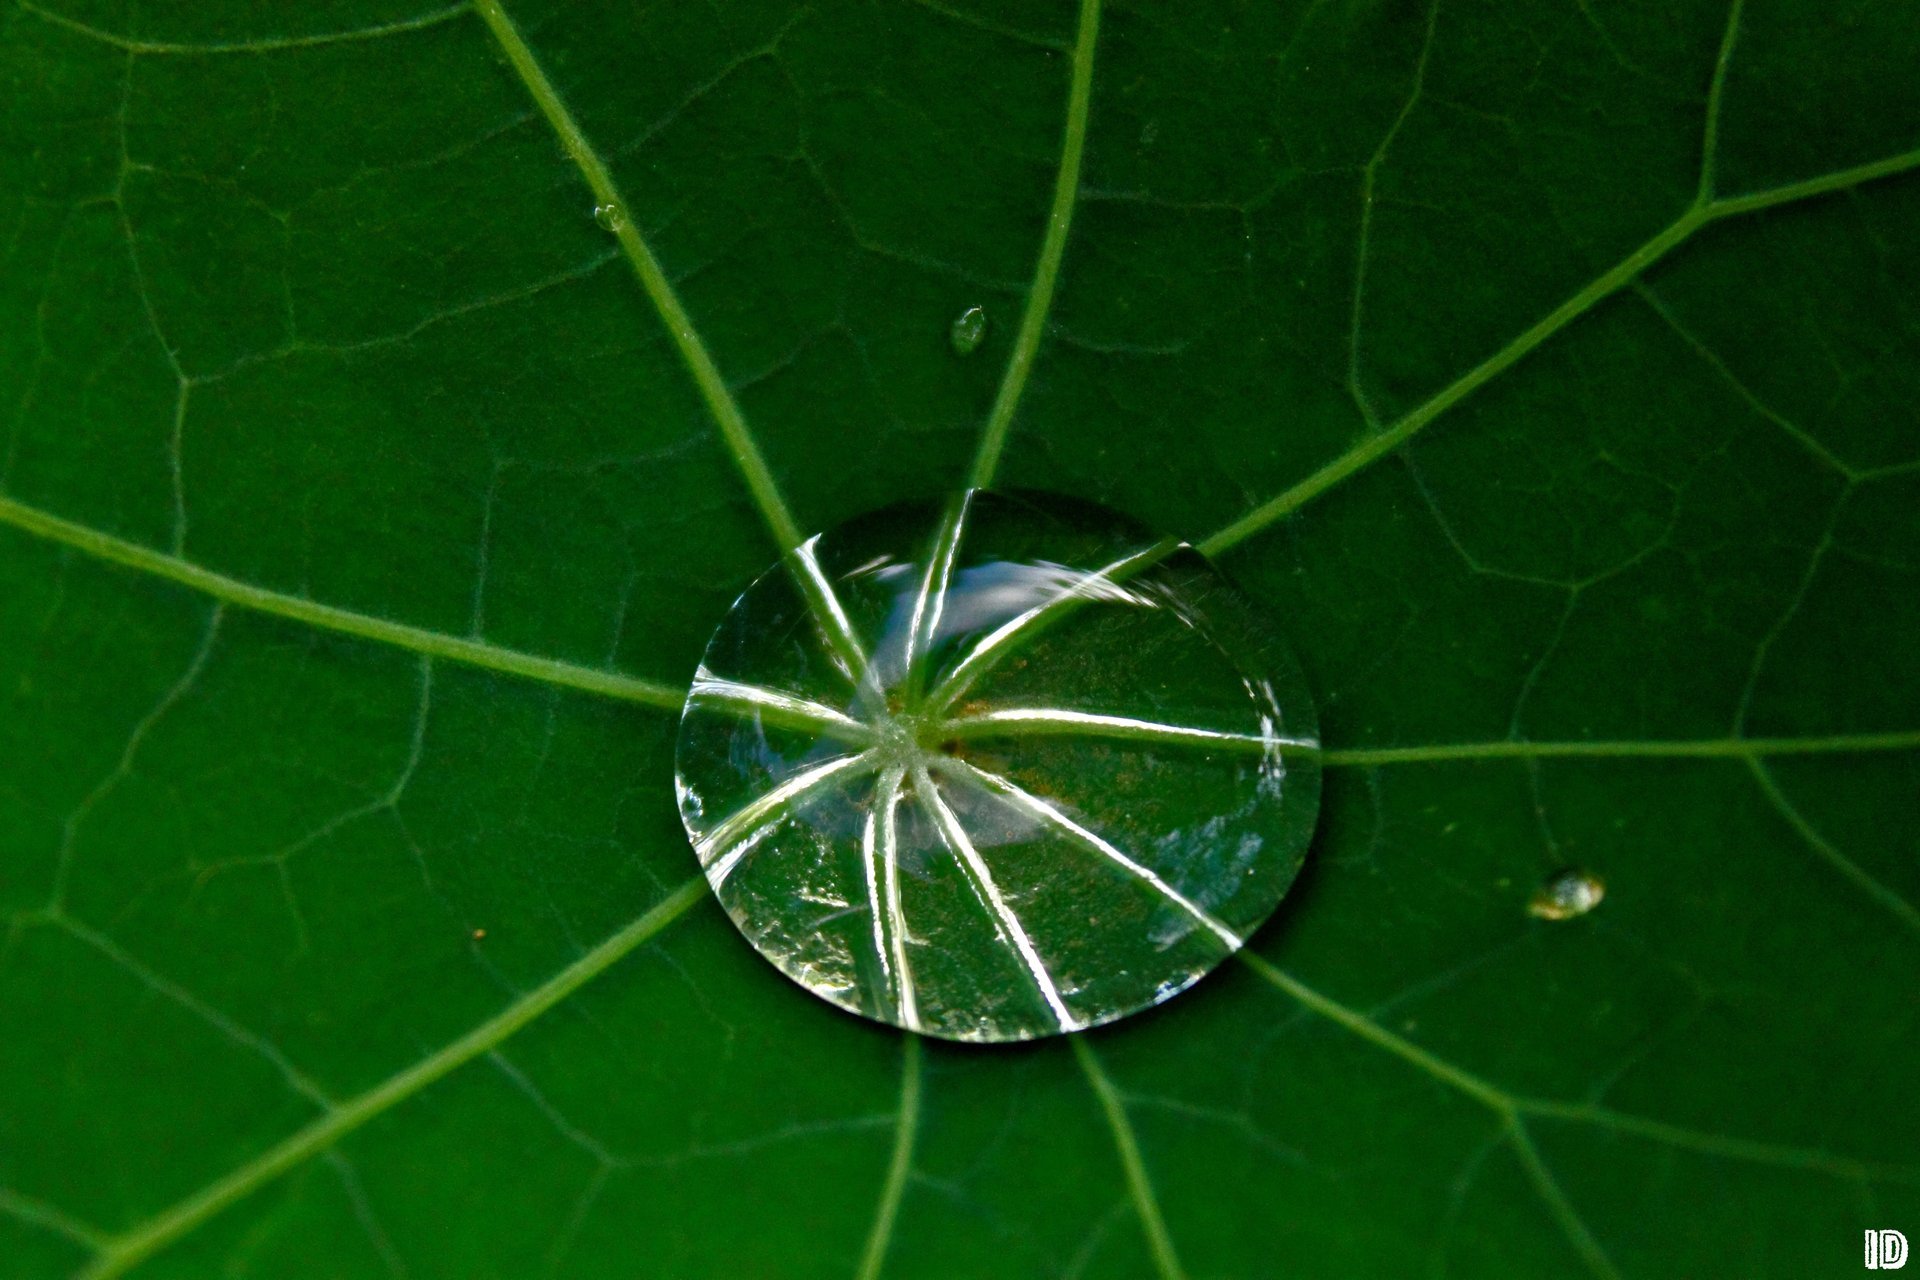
point(1074, 774)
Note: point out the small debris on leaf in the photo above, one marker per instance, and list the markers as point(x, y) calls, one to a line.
point(1567, 894)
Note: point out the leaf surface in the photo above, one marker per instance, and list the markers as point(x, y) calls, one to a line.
point(364, 505)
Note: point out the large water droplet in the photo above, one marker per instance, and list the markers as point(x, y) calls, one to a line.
point(611, 217)
point(997, 770)
point(968, 332)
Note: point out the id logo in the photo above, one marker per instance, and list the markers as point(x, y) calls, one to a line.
point(1886, 1251)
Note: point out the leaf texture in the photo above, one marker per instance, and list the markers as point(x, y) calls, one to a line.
point(1549, 370)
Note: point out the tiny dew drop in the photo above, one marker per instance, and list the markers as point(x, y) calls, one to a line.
point(998, 769)
point(1567, 894)
point(968, 331)
point(611, 217)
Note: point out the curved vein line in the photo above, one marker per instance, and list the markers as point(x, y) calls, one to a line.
point(836, 629)
point(1650, 749)
point(269, 45)
point(1101, 584)
point(1012, 794)
point(930, 603)
point(1564, 1214)
point(789, 710)
point(1367, 1029)
point(711, 385)
point(981, 881)
point(743, 826)
point(1507, 1104)
point(900, 1167)
point(143, 728)
point(1020, 721)
point(1716, 89)
point(229, 1027)
point(1903, 910)
point(1013, 722)
point(721, 868)
point(1066, 189)
point(1707, 356)
point(1139, 1185)
point(1368, 180)
point(38, 1213)
point(121, 1253)
point(879, 855)
point(1712, 1144)
point(1378, 446)
point(475, 653)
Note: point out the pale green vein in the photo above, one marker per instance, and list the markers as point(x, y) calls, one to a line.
point(37, 1213)
point(1512, 1106)
point(476, 653)
point(1571, 1224)
point(1364, 239)
point(1714, 1144)
point(1825, 184)
point(1066, 190)
point(121, 1253)
point(1377, 446)
point(1040, 722)
point(270, 44)
point(1712, 360)
point(1139, 1187)
point(1903, 910)
point(712, 387)
point(1648, 749)
point(1710, 143)
point(734, 431)
point(1367, 1029)
point(1047, 722)
point(900, 1166)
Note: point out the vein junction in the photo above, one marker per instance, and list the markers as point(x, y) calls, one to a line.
point(888, 748)
point(122, 1252)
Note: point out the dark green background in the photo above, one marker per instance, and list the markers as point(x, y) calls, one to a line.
point(307, 302)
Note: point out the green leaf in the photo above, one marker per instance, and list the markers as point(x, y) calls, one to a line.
point(1548, 370)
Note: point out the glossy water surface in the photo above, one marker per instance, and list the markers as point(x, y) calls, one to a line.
point(999, 769)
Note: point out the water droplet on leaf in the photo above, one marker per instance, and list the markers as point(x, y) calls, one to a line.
point(611, 217)
point(1567, 894)
point(999, 769)
point(969, 331)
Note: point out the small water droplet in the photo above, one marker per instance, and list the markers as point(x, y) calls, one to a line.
point(999, 769)
point(611, 217)
point(1567, 894)
point(969, 331)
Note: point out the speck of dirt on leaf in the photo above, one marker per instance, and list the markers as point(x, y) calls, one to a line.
point(1567, 894)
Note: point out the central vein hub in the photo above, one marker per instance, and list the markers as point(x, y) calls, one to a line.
point(897, 741)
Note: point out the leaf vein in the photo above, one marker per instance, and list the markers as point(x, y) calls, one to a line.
point(245, 595)
point(712, 387)
point(1139, 1184)
point(126, 1251)
point(1053, 247)
point(1378, 445)
point(270, 44)
point(900, 1165)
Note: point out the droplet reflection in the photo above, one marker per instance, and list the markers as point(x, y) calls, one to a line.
point(999, 769)
point(1567, 894)
point(969, 330)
